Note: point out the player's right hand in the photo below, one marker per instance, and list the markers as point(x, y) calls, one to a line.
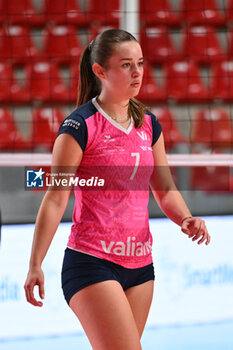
point(35, 277)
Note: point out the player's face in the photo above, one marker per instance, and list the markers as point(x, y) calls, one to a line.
point(124, 72)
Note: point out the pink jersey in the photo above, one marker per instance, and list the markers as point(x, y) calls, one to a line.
point(110, 218)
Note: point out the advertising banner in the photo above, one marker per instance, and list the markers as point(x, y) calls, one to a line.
point(194, 284)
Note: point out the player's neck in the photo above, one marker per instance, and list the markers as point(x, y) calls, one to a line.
point(118, 110)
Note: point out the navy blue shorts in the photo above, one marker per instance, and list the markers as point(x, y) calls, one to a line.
point(80, 270)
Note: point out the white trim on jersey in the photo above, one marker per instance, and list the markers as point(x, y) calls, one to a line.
point(113, 122)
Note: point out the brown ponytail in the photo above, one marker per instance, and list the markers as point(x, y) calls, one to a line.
point(89, 85)
point(137, 110)
point(100, 50)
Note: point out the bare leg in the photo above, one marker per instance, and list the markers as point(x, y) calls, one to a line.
point(140, 298)
point(106, 317)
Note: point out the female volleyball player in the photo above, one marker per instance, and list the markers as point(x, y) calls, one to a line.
point(108, 274)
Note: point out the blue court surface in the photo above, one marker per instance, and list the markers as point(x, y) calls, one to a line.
point(199, 337)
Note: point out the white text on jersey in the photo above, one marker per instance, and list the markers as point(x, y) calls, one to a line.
point(130, 248)
point(143, 135)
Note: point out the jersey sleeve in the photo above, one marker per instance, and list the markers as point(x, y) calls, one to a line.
point(75, 126)
point(156, 128)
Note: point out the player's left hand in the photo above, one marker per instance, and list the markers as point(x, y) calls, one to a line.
point(196, 229)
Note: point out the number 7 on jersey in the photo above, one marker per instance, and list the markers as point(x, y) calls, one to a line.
point(137, 159)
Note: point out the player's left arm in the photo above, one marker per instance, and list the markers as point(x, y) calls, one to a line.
point(170, 199)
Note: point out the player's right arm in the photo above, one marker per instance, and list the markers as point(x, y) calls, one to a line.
point(67, 154)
